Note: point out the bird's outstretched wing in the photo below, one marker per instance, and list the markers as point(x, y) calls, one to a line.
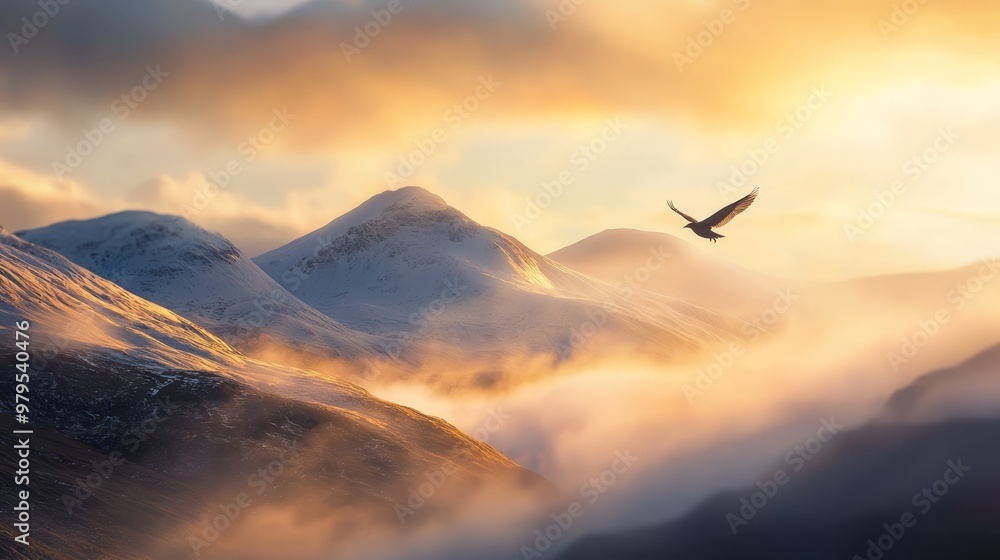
point(686, 217)
point(722, 217)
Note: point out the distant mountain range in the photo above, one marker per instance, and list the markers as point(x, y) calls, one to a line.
point(692, 274)
point(401, 281)
point(405, 264)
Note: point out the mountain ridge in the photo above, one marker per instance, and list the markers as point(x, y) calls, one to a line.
point(380, 267)
point(200, 275)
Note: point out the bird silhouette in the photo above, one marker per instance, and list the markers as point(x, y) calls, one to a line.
point(719, 219)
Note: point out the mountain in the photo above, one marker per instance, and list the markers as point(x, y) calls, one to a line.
point(849, 500)
point(71, 308)
point(968, 390)
point(56, 534)
point(405, 264)
point(138, 402)
point(185, 443)
point(846, 499)
point(201, 276)
point(959, 308)
point(692, 273)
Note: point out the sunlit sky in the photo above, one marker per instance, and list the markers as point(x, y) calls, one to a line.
point(834, 100)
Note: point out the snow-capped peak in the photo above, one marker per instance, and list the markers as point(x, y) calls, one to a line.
point(71, 308)
point(198, 274)
point(404, 261)
point(411, 195)
point(131, 239)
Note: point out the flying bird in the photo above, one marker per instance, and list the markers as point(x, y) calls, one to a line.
point(719, 219)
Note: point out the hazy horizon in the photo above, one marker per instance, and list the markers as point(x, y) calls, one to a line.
point(679, 236)
point(503, 105)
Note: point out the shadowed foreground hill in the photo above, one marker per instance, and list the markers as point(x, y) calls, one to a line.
point(855, 485)
point(831, 509)
point(191, 440)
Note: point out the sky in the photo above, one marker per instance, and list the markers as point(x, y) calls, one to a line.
point(870, 126)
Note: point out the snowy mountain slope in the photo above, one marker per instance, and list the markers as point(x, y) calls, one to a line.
point(201, 276)
point(74, 312)
point(70, 307)
point(76, 315)
point(105, 361)
point(404, 263)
